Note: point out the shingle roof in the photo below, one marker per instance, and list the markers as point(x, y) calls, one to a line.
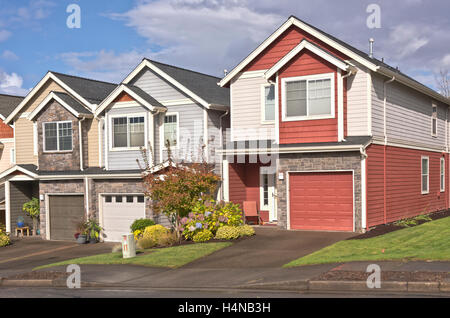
point(69, 100)
point(8, 103)
point(148, 98)
point(205, 86)
point(89, 171)
point(92, 90)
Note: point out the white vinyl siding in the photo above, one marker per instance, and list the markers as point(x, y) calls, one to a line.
point(357, 103)
point(425, 174)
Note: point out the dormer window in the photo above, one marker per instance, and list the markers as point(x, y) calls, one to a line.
point(57, 136)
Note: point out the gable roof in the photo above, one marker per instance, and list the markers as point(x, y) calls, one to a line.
point(8, 103)
point(353, 53)
point(198, 86)
point(135, 92)
point(87, 91)
point(305, 44)
point(65, 100)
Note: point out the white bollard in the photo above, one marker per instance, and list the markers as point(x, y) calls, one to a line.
point(128, 246)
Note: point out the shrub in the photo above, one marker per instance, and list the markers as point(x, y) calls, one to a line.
point(246, 230)
point(151, 236)
point(203, 236)
point(167, 239)
point(146, 242)
point(141, 224)
point(4, 238)
point(227, 233)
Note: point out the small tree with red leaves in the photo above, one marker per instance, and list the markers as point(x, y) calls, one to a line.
point(175, 189)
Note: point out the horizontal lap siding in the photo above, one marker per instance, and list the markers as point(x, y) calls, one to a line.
point(403, 184)
point(357, 103)
point(6, 131)
point(236, 175)
point(319, 130)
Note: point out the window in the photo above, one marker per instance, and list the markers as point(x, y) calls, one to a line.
point(265, 188)
point(12, 156)
point(58, 136)
point(140, 199)
point(434, 121)
point(442, 174)
point(310, 97)
point(425, 175)
point(108, 198)
point(268, 102)
point(171, 129)
point(130, 199)
point(128, 132)
point(119, 198)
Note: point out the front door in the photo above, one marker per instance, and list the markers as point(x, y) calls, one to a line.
point(267, 194)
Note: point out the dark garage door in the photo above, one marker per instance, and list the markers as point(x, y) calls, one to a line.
point(66, 211)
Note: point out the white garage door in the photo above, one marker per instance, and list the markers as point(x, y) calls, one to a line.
point(119, 212)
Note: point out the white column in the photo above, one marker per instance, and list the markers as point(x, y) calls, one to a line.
point(340, 88)
point(225, 180)
point(8, 207)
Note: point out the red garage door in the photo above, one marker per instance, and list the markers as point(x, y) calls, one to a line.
point(321, 201)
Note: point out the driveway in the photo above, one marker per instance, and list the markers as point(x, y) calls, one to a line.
point(269, 248)
point(27, 253)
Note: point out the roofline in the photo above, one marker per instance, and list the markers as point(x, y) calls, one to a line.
point(50, 96)
point(17, 168)
point(168, 78)
point(35, 89)
point(119, 89)
point(305, 44)
point(335, 148)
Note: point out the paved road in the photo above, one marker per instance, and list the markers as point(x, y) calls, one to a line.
point(17, 292)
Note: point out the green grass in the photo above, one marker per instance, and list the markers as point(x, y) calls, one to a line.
point(429, 241)
point(171, 257)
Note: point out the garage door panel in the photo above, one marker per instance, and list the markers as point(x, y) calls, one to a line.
point(321, 201)
point(66, 212)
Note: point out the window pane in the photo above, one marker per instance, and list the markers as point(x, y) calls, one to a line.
point(424, 166)
point(118, 198)
point(266, 189)
point(137, 132)
point(130, 199)
point(140, 199)
point(319, 94)
point(296, 98)
point(434, 122)
point(424, 183)
point(269, 109)
point(65, 136)
point(170, 130)
point(120, 132)
point(50, 135)
point(108, 198)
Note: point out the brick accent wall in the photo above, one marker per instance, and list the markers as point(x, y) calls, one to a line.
point(60, 161)
point(318, 161)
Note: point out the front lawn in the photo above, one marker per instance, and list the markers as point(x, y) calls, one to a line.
point(429, 241)
point(171, 257)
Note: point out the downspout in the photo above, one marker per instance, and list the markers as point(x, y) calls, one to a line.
point(364, 156)
point(81, 142)
point(86, 182)
point(384, 148)
point(221, 146)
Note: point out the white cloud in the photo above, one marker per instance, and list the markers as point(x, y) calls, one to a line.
point(4, 35)
point(12, 84)
point(9, 55)
point(406, 39)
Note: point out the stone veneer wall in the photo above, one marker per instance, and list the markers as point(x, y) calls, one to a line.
point(58, 161)
point(318, 161)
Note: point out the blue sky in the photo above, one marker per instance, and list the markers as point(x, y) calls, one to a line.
point(204, 35)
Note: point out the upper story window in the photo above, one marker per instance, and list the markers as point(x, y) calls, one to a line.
point(434, 120)
point(308, 97)
point(268, 102)
point(128, 132)
point(425, 166)
point(171, 129)
point(58, 136)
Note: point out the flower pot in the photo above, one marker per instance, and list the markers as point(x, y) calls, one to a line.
point(20, 224)
point(93, 240)
point(81, 239)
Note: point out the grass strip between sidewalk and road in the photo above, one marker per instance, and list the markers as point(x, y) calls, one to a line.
point(429, 241)
point(171, 257)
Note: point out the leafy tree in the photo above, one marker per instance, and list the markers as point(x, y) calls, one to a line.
point(32, 208)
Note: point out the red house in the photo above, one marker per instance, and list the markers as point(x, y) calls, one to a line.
point(326, 137)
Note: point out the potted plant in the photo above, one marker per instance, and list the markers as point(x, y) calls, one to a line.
point(32, 208)
point(93, 230)
point(81, 235)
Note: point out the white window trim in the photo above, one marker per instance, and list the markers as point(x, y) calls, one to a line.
point(324, 76)
point(433, 105)
point(57, 136)
point(421, 175)
point(263, 104)
point(161, 132)
point(128, 116)
point(442, 171)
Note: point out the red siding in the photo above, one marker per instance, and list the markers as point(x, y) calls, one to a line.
point(402, 193)
point(319, 130)
point(285, 43)
point(123, 97)
point(6, 131)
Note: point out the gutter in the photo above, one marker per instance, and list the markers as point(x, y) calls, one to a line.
point(293, 150)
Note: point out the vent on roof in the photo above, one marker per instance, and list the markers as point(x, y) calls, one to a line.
point(371, 40)
point(225, 72)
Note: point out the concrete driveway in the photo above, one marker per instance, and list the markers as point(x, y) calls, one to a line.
point(269, 248)
point(27, 253)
